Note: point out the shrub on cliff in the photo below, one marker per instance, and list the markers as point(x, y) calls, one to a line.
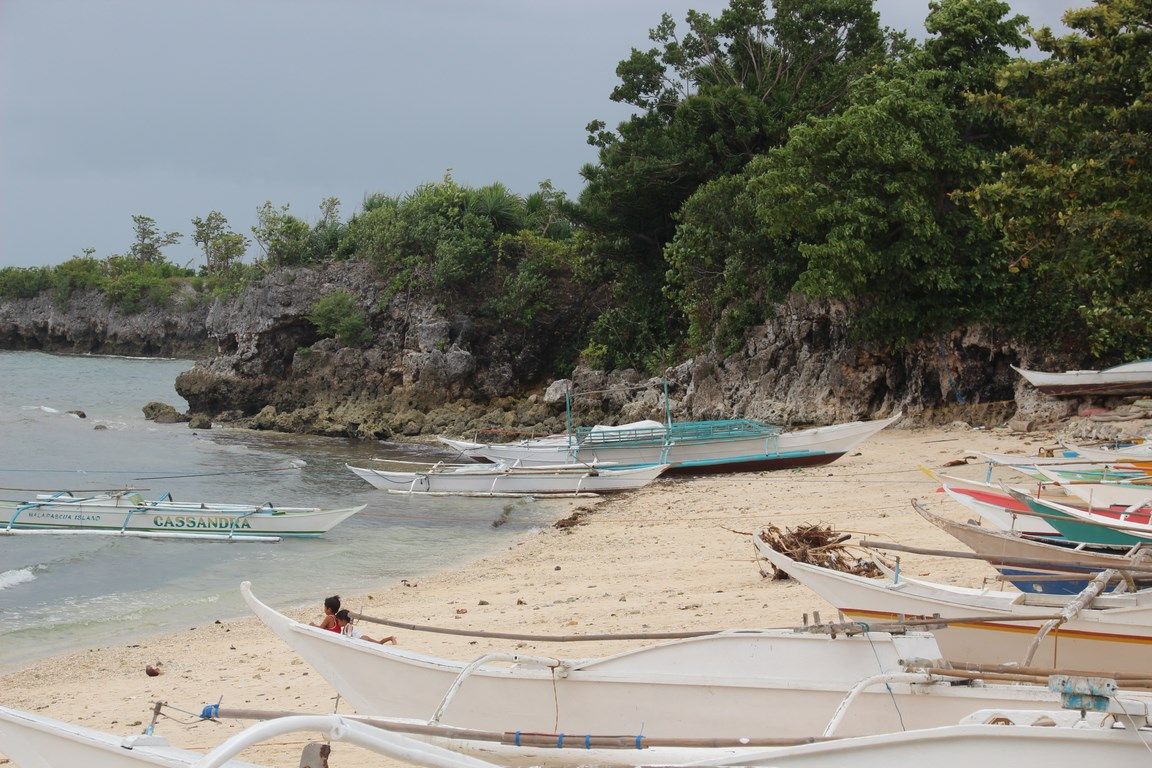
point(24, 282)
point(337, 314)
point(131, 285)
point(127, 283)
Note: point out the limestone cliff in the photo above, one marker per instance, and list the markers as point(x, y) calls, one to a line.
point(86, 323)
point(429, 368)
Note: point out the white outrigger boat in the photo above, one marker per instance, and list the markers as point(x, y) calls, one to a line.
point(1106, 493)
point(1112, 635)
point(1133, 378)
point(1117, 738)
point(727, 685)
point(129, 513)
point(504, 480)
point(696, 447)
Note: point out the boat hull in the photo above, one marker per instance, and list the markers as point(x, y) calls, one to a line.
point(181, 519)
point(996, 547)
point(1020, 738)
point(511, 481)
point(1112, 641)
point(1129, 379)
point(727, 685)
point(787, 450)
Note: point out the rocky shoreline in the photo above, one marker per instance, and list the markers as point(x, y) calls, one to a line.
point(262, 364)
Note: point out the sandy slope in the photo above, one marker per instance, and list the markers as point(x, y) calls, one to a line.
point(669, 557)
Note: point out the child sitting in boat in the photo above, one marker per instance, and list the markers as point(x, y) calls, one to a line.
point(331, 606)
point(344, 619)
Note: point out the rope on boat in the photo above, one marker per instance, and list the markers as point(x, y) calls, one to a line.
point(833, 629)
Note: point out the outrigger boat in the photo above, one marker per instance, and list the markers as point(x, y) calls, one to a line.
point(730, 684)
point(129, 513)
point(503, 480)
point(1112, 635)
point(1114, 732)
point(693, 447)
point(1038, 564)
point(1133, 378)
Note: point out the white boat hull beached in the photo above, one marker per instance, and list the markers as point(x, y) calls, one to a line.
point(1106, 494)
point(805, 447)
point(131, 513)
point(1018, 738)
point(1114, 636)
point(1000, 510)
point(727, 685)
point(1129, 379)
point(500, 480)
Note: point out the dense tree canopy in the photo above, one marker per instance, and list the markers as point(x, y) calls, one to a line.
point(724, 92)
point(1072, 201)
point(781, 146)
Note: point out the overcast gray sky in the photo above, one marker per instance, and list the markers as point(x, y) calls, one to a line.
point(174, 108)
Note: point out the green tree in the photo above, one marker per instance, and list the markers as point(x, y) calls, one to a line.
point(856, 205)
point(223, 249)
point(150, 241)
point(1073, 199)
point(283, 237)
point(710, 100)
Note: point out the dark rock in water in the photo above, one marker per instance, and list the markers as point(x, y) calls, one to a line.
point(79, 414)
point(162, 413)
point(100, 426)
point(200, 421)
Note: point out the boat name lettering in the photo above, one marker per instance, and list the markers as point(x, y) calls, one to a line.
point(197, 521)
point(68, 516)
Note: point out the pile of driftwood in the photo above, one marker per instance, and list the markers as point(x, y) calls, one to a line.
point(817, 545)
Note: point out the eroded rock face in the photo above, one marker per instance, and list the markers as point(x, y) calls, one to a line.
point(429, 369)
point(85, 323)
point(425, 369)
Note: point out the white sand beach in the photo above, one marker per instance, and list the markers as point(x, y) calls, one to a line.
point(674, 556)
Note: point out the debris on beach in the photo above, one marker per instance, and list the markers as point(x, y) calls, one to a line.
point(573, 520)
point(816, 545)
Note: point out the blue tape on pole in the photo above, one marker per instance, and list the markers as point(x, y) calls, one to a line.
point(560, 741)
point(587, 741)
point(210, 711)
point(517, 741)
point(639, 742)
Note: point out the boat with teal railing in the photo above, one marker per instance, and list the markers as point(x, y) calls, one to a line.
point(690, 447)
point(129, 513)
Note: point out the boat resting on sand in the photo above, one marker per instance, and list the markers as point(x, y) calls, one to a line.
point(1133, 378)
point(1124, 527)
point(1020, 559)
point(1117, 737)
point(993, 504)
point(502, 480)
point(1107, 493)
point(726, 685)
point(1113, 635)
point(1021, 738)
point(700, 447)
point(130, 513)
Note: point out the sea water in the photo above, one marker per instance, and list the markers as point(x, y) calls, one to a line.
point(60, 593)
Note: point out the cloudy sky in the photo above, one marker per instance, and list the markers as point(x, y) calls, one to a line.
point(174, 108)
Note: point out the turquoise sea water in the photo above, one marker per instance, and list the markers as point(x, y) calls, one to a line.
point(61, 593)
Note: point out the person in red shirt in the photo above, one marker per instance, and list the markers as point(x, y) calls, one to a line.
point(331, 606)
